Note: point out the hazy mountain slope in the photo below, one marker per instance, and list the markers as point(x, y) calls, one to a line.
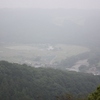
point(21, 82)
point(88, 62)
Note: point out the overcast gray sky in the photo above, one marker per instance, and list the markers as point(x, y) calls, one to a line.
point(81, 4)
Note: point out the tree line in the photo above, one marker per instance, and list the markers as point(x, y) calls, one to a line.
point(23, 82)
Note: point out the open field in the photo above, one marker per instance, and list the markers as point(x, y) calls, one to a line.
point(44, 53)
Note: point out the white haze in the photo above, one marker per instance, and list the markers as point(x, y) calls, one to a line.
point(63, 21)
point(76, 4)
point(45, 32)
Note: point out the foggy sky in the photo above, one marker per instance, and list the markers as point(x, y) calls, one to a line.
point(76, 4)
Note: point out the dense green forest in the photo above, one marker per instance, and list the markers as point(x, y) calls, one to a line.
point(95, 95)
point(22, 82)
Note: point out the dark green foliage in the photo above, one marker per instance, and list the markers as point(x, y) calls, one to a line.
point(64, 97)
point(22, 82)
point(70, 97)
point(95, 95)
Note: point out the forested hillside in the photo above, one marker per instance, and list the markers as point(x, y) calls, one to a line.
point(88, 62)
point(22, 82)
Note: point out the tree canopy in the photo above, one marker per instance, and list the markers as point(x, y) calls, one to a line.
point(22, 82)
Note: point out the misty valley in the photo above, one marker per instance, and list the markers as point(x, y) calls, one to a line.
point(49, 54)
point(39, 55)
point(58, 56)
